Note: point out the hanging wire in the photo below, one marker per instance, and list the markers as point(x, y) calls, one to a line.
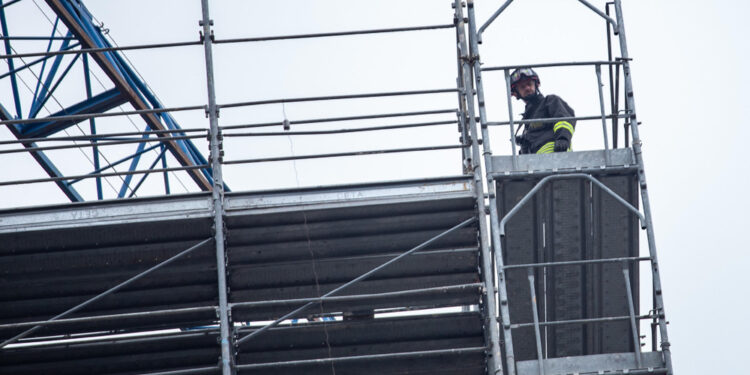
point(313, 259)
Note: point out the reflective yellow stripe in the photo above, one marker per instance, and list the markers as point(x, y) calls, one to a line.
point(548, 148)
point(563, 125)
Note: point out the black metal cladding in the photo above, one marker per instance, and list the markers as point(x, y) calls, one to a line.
point(121, 356)
point(567, 221)
point(271, 253)
point(299, 254)
point(47, 272)
point(380, 336)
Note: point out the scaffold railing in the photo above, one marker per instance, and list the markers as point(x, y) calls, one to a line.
point(483, 231)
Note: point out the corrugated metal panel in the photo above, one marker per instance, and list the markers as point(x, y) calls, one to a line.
point(107, 356)
point(567, 221)
point(54, 258)
point(47, 272)
point(284, 251)
point(522, 244)
point(362, 338)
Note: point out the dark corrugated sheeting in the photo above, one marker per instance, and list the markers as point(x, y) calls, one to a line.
point(108, 356)
point(305, 253)
point(45, 273)
point(358, 339)
point(567, 221)
point(348, 339)
point(275, 252)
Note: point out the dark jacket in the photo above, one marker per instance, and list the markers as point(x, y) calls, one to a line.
point(539, 137)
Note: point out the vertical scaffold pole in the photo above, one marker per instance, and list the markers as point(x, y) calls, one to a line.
point(494, 220)
point(658, 299)
point(217, 194)
point(461, 113)
point(490, 309)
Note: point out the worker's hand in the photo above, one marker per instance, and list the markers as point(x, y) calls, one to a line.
point(562, 145)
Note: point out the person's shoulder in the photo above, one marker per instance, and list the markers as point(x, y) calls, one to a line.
point(553, 99)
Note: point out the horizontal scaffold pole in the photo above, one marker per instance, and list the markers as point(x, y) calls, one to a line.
point(356, 280)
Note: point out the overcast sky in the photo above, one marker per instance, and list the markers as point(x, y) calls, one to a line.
point(690, 93)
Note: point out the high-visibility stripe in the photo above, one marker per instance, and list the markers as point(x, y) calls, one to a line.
point(548, 148)
point(563, 125)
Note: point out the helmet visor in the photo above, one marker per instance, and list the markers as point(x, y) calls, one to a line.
point(520, 74)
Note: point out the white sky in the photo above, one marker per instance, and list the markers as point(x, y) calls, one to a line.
point(690, 92)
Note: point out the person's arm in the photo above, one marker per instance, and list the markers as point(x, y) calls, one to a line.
point(564, 129)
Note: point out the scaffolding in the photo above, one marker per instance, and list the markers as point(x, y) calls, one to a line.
point(534, 283)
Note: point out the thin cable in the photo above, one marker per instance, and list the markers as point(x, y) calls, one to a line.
point(291, 149)
point(317, 288)
point(309, 247)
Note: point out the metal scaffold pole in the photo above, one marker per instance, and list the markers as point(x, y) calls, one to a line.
point(217, 194)
point(497, 249)
point(490, 308)
point(658, 298)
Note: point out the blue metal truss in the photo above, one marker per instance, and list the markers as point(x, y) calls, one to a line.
point(128, 88)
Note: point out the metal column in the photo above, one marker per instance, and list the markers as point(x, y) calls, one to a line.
point(217, 194)
point(496, 241)
point(490, 308)
point(630, 100)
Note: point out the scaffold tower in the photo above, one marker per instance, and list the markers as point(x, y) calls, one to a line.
point(516, 264)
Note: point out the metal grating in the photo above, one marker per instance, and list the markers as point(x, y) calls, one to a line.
point(568, 220)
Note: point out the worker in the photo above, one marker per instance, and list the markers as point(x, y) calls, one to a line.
point(541, 137)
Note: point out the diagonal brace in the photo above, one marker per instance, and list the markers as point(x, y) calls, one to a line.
point(359, 278)
point(107, 292)
point(492, 18)
point(544, 181)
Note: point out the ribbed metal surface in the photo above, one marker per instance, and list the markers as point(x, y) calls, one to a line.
point(108, 356)
point(344, 347)
point(47, 272)
point(302, 255)
point(566, 221)
point(280, 246)
point(305, 243)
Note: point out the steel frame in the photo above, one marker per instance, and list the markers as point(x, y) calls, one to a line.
point(498, 224)
point(467, 60)
point(223, 309)
point(83, 35)
point(469, 86)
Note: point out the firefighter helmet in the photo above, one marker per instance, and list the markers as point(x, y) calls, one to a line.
point(520, 74)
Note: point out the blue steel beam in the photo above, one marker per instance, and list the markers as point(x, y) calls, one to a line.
point(143, 178)
point(128, 88)
point(75, 16)
point(44, 65)
point(133, 167)
point(97, 104)
point(37, 61)
point(47, 88)
point(11, 67)
point(118, 162)
point(2, 6)
point(44, 161)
